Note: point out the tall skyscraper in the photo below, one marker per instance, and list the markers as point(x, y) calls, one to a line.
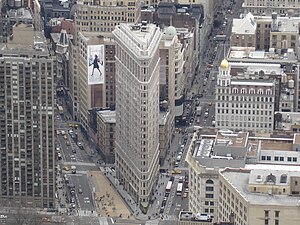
point(27, 88)
point(137, 108)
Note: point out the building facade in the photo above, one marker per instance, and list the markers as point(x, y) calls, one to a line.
point(267, 7)
point(27, 106)
point(137, 108)
point(106, 131)
point(104, 15)
point(244, 104)
point(259, 196)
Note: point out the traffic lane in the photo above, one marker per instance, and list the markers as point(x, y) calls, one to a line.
point(180, 203)
point(84, 199)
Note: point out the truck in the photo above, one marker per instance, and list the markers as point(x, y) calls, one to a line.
point(198, 111)
point(73, 169)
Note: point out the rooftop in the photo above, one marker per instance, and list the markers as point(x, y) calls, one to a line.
point(250, 54)
point(259, 176)
point(108, 116)
point(296, 139)
point(289, 119)
point(231, 139)
point(239, 179)
point(201, 218)
point(142, 39)
point(246, 25)
point(21, 13)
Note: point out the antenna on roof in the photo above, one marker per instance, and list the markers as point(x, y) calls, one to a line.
point(224, 51)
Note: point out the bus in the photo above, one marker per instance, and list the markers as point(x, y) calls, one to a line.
point(168, 187)
point(179, 189)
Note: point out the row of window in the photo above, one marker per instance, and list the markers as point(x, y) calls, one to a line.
point(245, 98)
point(244, 105)
point(253, 125)
point(244, 118)
point(245, 112)
point(279, 158)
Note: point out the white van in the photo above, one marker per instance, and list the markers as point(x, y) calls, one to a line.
point(178, 158)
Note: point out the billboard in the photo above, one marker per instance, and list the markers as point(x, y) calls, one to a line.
point(95, 64)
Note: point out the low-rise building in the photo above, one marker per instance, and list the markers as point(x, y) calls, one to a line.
point(243, 32)
point(259, 196)
point(209, 153)
point(106, 124)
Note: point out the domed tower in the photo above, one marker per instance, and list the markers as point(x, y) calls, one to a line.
point(224, 74)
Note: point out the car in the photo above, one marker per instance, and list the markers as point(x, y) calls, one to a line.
point(68, 143)
point(209, 103)
point(71, 131)
point(80, 145)
point(185, 195)
point(59, 155)
point(58, 132)
point(186, 190)
point(176, 164)
point(167, 194)
point(80, 191)
point(73, 206)
point(172, 178)
point(3, 216)
point(161, 210)
point(45, 219)
point(66, 168)
point(180, 153)
point(206, 114)
point(180, 179)
point(74, 150)
point(63, 132)
point(65, 137)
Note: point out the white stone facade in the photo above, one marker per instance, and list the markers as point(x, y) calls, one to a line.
point(137, 108)
point(244, 104)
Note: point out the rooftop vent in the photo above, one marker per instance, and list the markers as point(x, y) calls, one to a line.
point(259, 178)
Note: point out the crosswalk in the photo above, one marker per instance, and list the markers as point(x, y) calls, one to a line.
point(79, 163)
point(103, 221)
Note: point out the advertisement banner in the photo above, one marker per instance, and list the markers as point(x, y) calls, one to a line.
point(95, 64)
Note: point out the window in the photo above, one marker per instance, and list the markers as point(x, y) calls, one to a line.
point(266, 222)
point(277, 213)
point(276, 222)
point(276, 158)
point(209, 196)
point(263, 157)
point(266, 213)
point(209, 188)
point(209, 182)
point(268, 158)
point(294, 159)
point(281, 159)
